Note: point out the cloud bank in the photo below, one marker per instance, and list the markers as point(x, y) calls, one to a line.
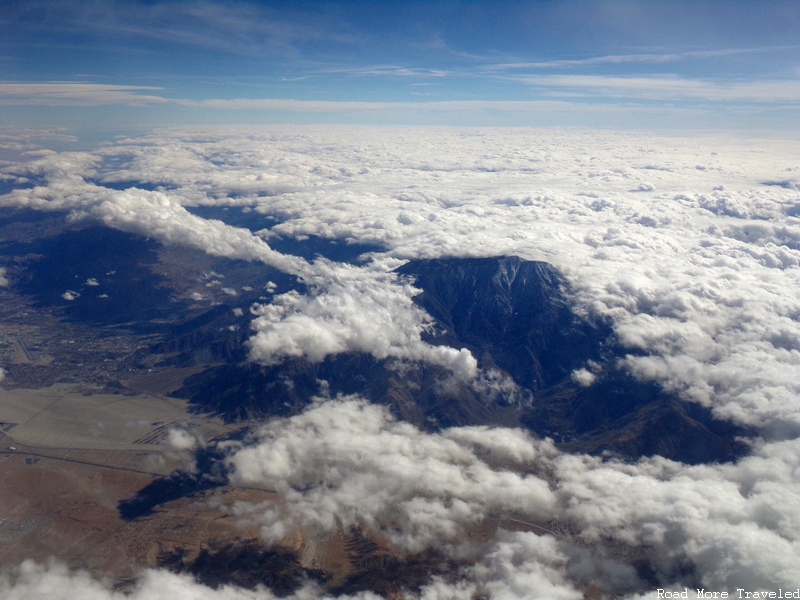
point(344, 462)
point(348, 309)
point(418, 490)
point(689, 246)
point(58, 93)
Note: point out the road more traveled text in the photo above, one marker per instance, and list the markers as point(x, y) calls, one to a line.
point(740, 593)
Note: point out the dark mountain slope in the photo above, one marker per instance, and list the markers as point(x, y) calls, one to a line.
point(513, 312)
point(516, 317)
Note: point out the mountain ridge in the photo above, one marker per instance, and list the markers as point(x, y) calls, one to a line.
point(517, 318)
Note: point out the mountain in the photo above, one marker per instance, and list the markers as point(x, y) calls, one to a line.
point(518, 320)
point(509, 312)
point(130, 309)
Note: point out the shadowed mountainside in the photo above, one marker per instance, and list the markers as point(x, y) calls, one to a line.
point(517, 319)
point(511, 313)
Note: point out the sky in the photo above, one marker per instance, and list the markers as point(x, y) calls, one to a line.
point(111, 66)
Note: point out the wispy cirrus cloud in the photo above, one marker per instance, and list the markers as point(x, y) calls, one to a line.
point(669, 88)
point(664, 88)
point(234, 28)
point(61, 93)
point(622, 59)
point(328, 106)
point(563, 105)
point(388, 71)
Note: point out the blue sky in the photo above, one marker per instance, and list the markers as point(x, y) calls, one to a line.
point(125, 65)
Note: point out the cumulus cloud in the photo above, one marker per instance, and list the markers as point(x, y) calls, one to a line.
point(584, 377)
point(715, 518)
point(350, 309)
point(20, 142)
point(346, 463)
point(138, 211)
point(180, 439)
point(53, 581)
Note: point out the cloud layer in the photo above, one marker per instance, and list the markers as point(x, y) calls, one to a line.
point(689, 246)
point(344, 462)
point(59, 93)
point(356, 465)
point(347, 309)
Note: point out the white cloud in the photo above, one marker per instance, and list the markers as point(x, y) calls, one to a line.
point(723, 519)
point(346, 462)
point(27, 141)
point(696, 272)
point(350, 309)
point(388, 70)
point(62, 93)
point(281, 104)
point(616, 59)
point(32, 581)
point(3, 279)
point(675, 239)
point(180, 439)
point(672, 88)
point(571, 109)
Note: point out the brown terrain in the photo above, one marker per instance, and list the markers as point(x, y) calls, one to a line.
point(69, 460)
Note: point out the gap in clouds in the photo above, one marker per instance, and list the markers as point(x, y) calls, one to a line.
point(309, 247)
